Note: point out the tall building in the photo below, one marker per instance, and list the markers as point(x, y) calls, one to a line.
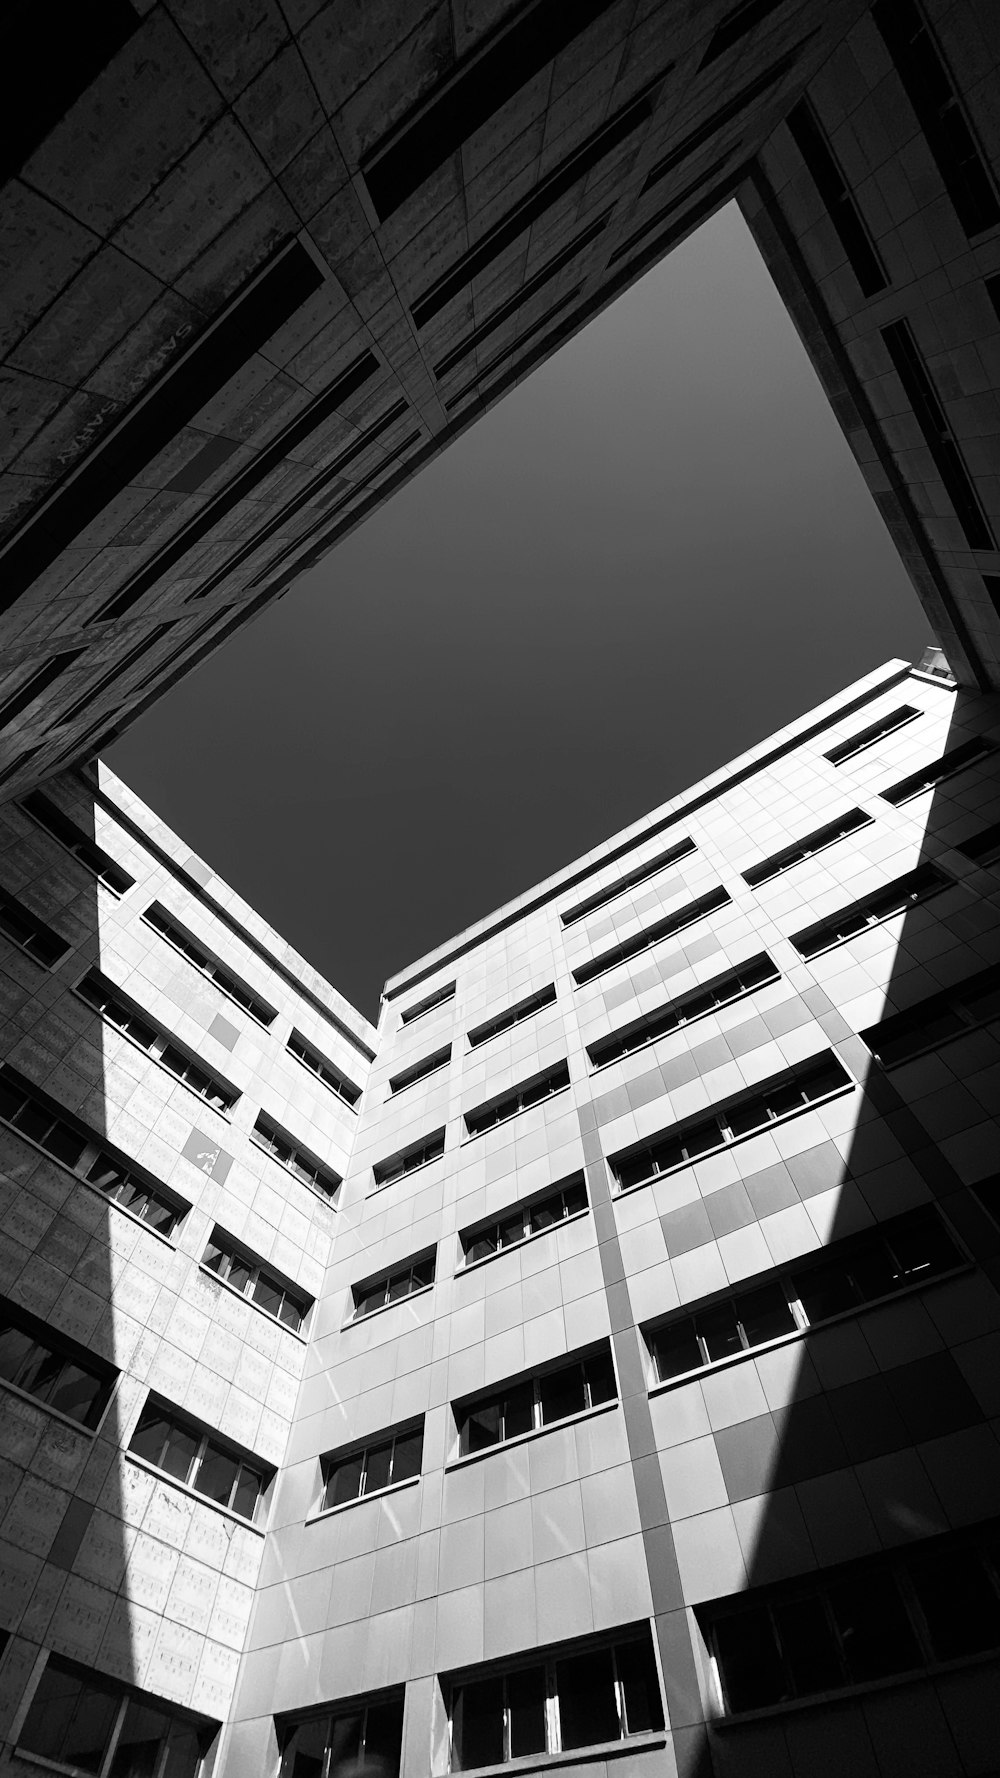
point(263, 261)
point(592, 1369)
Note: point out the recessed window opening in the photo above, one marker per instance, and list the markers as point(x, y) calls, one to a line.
point(408, 1077)
point(536, 1216)
point(116, 1009)
point(650, 936)
point(277, 1143)
point(783, 1096)
point(209, 965)
point(723, 990)
point(516, 302)
point(512, 1015)
point(530, 1404)
point(930, 89)
point(957, 759)
point(982, 848)
point(80, 1720)
point(66, 831)
point(63, 1137)
point(906, 1252)
point(818, 841)
point(640, 874)
point(858, 1623)
point(365, 1735)
point(221, 1471)
point(37, 683)
point(518, 1099)
point(735, 25)
point(52, 1368)
point(394, 1286)
point(243, 1272)
point(115, 674)
point(871, 910)
point(366, 1469)
point(323, 1069)
point(939, 438)
point(579, 1695)
point(841, 206)
point(409, 1160)
point(24, 929)
point(741, 100)
point(438, 998)
point(963, 1007)
point(867, 737)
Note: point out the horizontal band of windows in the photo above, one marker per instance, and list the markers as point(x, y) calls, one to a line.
point(722, 990)
point(62, 828)
point(586, 1694)
point(438, 998)
point(30, 933)
point(957, 759)
point(64, 1138)
point(394, 1286)
point(888, 1614)
point(81, 1721)
point(236, 1266)
point(902, 1254)
point(640, 874)
point(982, 848)
point(115, 1008)
point(963, 1007)
point(506, 352)
point(711, 199)
point(867, 737)
point(116, 674)
point(709, 130)
point(218, 972)
point(409, 1160)
point(214, 1467)
point(295, 1159)
point(363, 1735)
point(838, 198)
point(52, 1368)
point(818, 841)
point(323, 1069)
point(944, 449)
point(735, 26)
point(535, 1216)
point(38, 682)
point(520, 1098)
point(785, 1095)
point(513, 1015)
point(871, 910)
point(650, 936)
point(534, 1403)
point(418, 1071)
point(380, 1463)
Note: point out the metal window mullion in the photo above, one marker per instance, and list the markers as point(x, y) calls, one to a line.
point(197, 1460)
point(363, 1478)
point(114, 1737)
point(536, 1403)
point(505, 1713)
point(914, 1610)
point(619, 1694)
point(553, 1725)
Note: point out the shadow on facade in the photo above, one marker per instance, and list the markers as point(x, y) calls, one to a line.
point(883, 1456)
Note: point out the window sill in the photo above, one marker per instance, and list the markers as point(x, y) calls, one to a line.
point(845, 1693)
point(193, 1494)
point(576, 1756)
point(803, 1333)
point(816, 852)
point(50, 1765)
point(345, 1506)
point(526, 1438)
point(372, 1315)
point(625, 1191)
point(223, 1284)
point(523, 1112)
point(54, 1413)
point(473, 1265)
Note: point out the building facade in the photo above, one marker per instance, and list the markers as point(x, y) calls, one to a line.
point(593, 1369)
point(260, 263)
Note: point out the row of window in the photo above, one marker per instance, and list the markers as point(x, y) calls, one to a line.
point(116, 1009)
point(26, 929)
point(82, 1720)
point(53, 1368)
point(174, 1443)
point(182, 941)
point(295, 1159)
point(962, 1007)
point(75, 840)
point(255, 1280)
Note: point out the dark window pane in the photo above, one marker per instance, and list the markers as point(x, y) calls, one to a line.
point(749, 1662)
point(640, 1686)
point(185, 1748)
point(423, 1273)
point(40, 1372)
point(407, 1452)
point(345, 1745)
point(512, 1230)
point(51, 1711)
point(764, 1314)
point(290, 1312)
point(825, 1290)
point(519, 1411)
point(216, 1475)
point(248, 1491)
point(10, 1100)
point(482, 1245)
point(214, 1257)
point(384, 1739)
point(958, 1601)
point(344, 1480)
point(809, 1646)
point(150, 1435)
point(399, 1286)
point(744, 1118)
point(89, 1729)
point(32, 1121)
point(702, 1139)
point(543, 1215)
point(65, 1144)
point(372, 1298)
point(477, 1725)
point(923, 1246)
point(482, 1427)
point(526, 1705)
point(78, 1394)
point(562, 1394)
point(588, 1709)
point(143, 1733)
point(180, 1452)
point(377, 1467)
point(875, 1632)
point(15, 1350)
point(267, 1295)
point(600, 1374)
point(575, 1199)
point(720, 1331)
point(676, 1350)
point(305, 1750)
point(873, 1271)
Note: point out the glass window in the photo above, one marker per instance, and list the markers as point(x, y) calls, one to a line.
point(676, 1350)
point(640, 1686)
point(750, 1663)
point(809, 1645)
point(588, 1706)
point(478, 1725)
point(70, 1718)
point(562, 1393)
point(216, 1475)
point(959, 1602)
point(526, 1711)
point(142, 1735)
point(875, 1632)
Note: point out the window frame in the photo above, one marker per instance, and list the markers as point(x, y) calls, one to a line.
point(318, 1065)
point(642, 873)
point(556, 1078)
point(230, 1251)
point(418, 1071)
point(332, 1461)
point(209, 1442)
point(238, 992)
point(411, 1160)
point(464, 1408)
point(779, 863)
point(41, 933)
point(512, 1016)
point(962, 759)
point(933, 881)
point(650, 936)
point(406, 1268)
point(288, 1723)
point(890, 724)
point(691, 997)
point(525, 1206)
point(948, 1000)
point(205, 1728)
point(54, 1344)
point(119, 1011)
point(259, 1139)
point(440, 997)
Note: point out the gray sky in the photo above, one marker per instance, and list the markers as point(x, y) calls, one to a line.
point(644, 560)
